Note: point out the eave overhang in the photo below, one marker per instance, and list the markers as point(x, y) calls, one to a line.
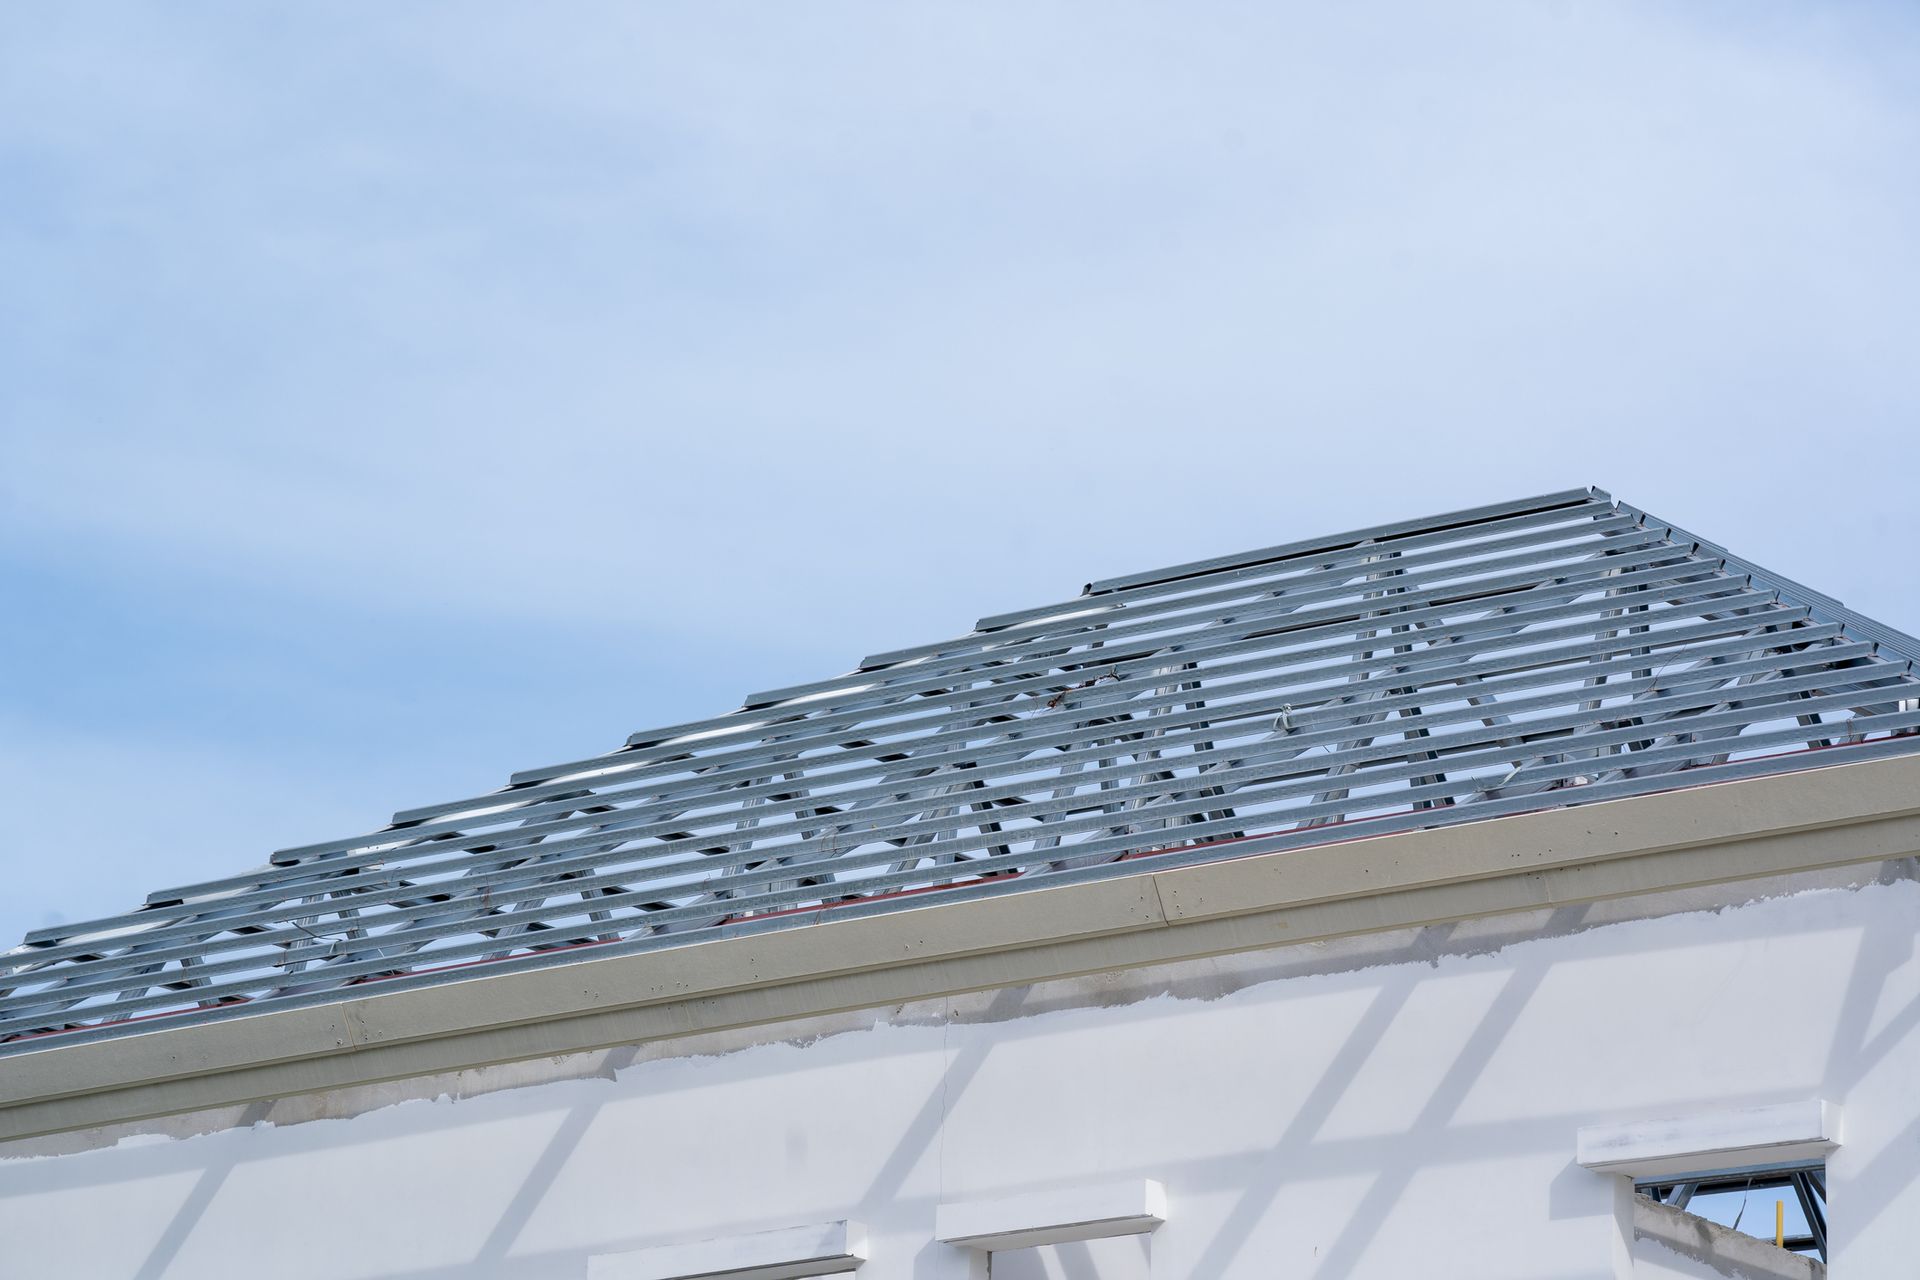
point(1844, 813)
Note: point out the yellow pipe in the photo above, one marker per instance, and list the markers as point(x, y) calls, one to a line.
point(1780, 1223)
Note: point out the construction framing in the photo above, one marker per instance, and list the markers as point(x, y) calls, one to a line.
point(1535, 654)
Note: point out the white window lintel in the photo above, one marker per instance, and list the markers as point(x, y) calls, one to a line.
point(1053, 1217)
point(1703, 1140)
point(819, 1249)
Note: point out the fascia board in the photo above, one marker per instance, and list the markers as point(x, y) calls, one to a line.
point(1840, 815)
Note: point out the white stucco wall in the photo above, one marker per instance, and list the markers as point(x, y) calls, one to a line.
point(1409, 1119)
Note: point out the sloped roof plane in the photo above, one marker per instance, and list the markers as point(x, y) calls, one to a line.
point(1541, 653)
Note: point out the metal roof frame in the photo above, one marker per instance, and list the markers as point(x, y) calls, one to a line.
point(1541, 653)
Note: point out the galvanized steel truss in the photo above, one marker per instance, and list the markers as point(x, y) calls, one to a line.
point(1546, 652)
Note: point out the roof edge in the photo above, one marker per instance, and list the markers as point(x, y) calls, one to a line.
point(1824, 607)
point(1563, 499)
point(1866, 811)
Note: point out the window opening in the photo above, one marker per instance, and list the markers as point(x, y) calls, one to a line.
point(1745, 1200)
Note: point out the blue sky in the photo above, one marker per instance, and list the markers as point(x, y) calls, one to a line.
point(393, 396)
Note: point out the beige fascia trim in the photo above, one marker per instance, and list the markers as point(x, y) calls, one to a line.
point(1836, 816)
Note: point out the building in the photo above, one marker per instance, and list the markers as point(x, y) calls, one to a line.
point(1384, 905)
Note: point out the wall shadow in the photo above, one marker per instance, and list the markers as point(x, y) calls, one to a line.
point(1255, 1179)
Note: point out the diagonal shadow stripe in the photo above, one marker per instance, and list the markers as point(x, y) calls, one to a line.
point(188, 1216)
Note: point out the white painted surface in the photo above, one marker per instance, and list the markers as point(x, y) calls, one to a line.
point(1405, 1119)
point(790, 1253)
point(1112, 1258)
point(1086, 1212)
point(1695, 1142)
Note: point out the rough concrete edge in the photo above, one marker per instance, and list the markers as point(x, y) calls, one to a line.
point(1842, 815)
point(1729, 1252)
point(1200, 979)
